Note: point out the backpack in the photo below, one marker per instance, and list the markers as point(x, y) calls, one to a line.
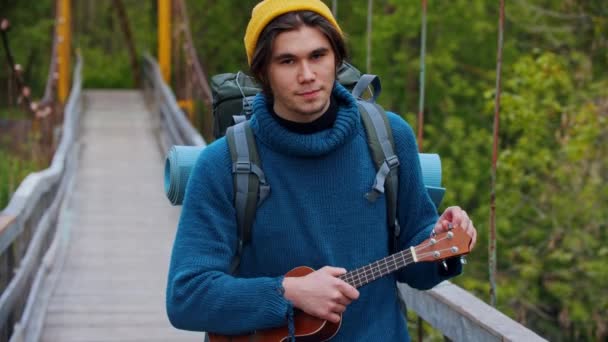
point(234, 93)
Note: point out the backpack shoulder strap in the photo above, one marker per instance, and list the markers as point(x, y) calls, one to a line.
point(382, 146)
point(250, 186)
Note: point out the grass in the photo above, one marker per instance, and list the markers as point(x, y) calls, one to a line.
point(16, 162)
point(13, 114)
point(13, 170)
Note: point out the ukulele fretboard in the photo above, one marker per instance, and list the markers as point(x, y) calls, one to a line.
point(368, 273)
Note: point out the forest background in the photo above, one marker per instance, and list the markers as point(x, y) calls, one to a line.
point(552, 178)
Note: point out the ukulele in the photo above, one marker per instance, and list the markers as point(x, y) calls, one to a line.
point(309, 328)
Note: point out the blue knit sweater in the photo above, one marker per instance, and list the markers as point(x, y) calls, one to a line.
point(316, 215)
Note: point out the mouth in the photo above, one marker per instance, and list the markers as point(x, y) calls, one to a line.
point(309, 94)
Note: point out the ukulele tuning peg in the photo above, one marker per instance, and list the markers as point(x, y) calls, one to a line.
point(445, 265)
point(463, 260)
point(450, 226)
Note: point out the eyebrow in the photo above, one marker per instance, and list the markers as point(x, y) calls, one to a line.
point(291, 55)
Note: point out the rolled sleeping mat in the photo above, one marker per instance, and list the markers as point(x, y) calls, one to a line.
point(178, 165)
point(430, 164)
point(181, 159)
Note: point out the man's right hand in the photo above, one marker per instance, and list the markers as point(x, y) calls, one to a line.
point(321, 293)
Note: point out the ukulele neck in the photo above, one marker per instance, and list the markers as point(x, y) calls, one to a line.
point(378, 269)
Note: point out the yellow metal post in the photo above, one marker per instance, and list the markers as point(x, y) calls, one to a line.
point(164, 38)
point(188, 107)
point(64, 33)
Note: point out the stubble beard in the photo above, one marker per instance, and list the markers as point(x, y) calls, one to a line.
point(315, 109)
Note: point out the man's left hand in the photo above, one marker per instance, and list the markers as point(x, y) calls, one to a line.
point(459, 219)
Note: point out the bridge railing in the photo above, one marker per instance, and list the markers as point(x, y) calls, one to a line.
point(460, 316)
point(28, 224)
point(456, 313)
point(172, 124)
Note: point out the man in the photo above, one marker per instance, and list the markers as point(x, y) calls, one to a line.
point(316, 158)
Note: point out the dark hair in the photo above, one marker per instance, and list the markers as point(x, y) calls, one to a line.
point(288, 22)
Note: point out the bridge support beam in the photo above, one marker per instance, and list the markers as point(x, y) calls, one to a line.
point(164, 39)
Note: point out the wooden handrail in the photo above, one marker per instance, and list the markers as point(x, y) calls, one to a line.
point(5, 221)
point(460, 316)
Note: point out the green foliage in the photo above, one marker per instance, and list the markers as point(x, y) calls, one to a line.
point(20, 154)
point(11, 114)
point(552, 190)
point(13, 169)
point(116, 69)
point(101, 39)
point(15, 165)
point(218, 28)
point(30, 39)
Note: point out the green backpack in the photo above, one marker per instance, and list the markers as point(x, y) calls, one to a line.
point(232, 106)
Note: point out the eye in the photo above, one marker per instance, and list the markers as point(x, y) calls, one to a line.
point(318, 55)
point(286, 61)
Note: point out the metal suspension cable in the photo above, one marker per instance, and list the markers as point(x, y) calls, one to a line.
point(334, 8)
point(48, 98)
point(126, 29)
point(199, 74)
point(421, 114)
point(422, 77)
point(195, 74)
point(492, 235)
point(368, 60)
point(47, 105)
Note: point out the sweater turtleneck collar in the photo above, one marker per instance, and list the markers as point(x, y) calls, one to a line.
point(325, 121)
point(271, 133)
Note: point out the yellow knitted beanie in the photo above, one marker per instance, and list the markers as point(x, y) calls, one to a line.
point(264, 12)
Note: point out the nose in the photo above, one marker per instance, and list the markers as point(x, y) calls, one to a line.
point(306, 73)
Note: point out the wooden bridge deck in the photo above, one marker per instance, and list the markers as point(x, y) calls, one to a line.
point(111, 287)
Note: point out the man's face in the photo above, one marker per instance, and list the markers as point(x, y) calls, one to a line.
point(301, 73)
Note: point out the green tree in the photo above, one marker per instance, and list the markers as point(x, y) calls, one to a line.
point(552, 188)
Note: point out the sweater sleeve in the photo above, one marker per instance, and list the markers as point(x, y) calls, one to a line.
point(201, 294)
point(416, 212)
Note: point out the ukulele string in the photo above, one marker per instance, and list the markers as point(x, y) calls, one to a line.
point(429, 243)
point(368, 271)
point(423, 255)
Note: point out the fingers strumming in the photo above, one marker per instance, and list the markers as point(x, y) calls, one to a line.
point(339, 308)
point(334, 318)
point(353, 293)
point(348, 291)
point(335, 271)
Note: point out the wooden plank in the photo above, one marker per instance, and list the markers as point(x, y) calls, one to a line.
point(115, 333)
point(104, 318)
point(112, 285)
